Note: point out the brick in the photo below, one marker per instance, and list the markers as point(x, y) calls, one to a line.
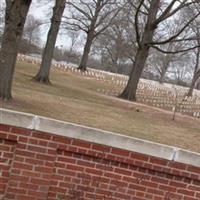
point(120, 152)
point(58, 190)
point(34, 161)
point(119, 183)
point(137, 187)
point(36, 149)
point(45, 157)
point(160, 180)
point(105, 167)
point(178, 184)
point(19, 178)
point(113, 175)
point(12, 137)
point(94, 171)
point(75, 167)
point(155, 191)
point(41, 135)
point(3, 135)
point(80, 143)
point(22, 139)
point(19, 158)
point(194, 188)
point(61, 139)
point(52, 145)
point(39, 181)
point(43, 143)
point(186, 192)
point(24, 197)
point(33, 141)
point(176, 172)
point(177, 165)
point(167, 188)
point(52, 152)
point(66, 160)
point(122, 171)
point(194, 169)
point(5, 128)
point(101, 148)
point(20, 131)
point(149, 184)
point(21, 166)
point(190, 198)
point(86, 164)
point(81, 150)
point(158, 161)
point(37, 194)
point(31, 174)
point(43, 169)
point(4, 148)
point(138, 156)
point(16, 190)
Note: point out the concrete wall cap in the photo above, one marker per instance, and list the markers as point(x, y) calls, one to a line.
point(34, 122)
point(15, 118)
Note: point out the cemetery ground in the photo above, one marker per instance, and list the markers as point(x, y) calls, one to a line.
point(74, 98)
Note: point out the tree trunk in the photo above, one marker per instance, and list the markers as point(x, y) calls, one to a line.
point(43, 74)
point(16, 12)
point(190, 92)
point(162, 76)
point(86, 52)
point(198, 85)
point(164, 70)
point(129, 92)
point(196, 73)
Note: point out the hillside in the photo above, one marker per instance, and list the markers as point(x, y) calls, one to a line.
point(74, 98)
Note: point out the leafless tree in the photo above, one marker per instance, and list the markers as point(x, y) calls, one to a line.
point(196, 73)
point(74, 36)
point(150, 17)
point(16, 12)
point(161, 62)
point(2, 13)
point(92, 17)
point(43, 74)
point(116, 44)
point(181, 71)
point(195, 29)
point(32, 29)
point(113, 43)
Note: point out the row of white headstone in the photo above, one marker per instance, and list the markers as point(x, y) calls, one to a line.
point(149, 92)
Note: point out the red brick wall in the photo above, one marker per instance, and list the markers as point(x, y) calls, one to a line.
point(40, 166)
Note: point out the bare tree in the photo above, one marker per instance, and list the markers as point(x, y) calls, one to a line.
point(2, 13)
point(113, 43)
point(154, 13)
point(181, 71)
point(43, 74)
point(92, 17)
point(161, 62)
point(32, 29)
point(195, 26)
point(73, 35)
point(196, 74)
point(16, 12)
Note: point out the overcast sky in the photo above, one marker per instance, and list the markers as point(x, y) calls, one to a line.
point(43, 11)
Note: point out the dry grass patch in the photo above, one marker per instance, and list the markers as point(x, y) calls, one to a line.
point(74, 99)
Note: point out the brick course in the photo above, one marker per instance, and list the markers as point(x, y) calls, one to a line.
point(39, 166)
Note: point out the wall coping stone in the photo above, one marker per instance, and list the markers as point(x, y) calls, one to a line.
point(71, 130)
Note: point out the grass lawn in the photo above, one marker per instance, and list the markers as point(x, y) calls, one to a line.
point(75, 99)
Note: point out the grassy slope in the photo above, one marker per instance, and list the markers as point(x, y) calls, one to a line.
point(74, 99)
